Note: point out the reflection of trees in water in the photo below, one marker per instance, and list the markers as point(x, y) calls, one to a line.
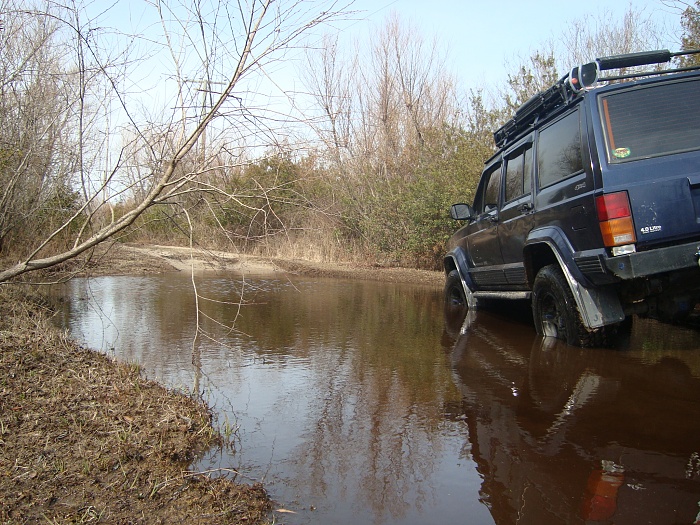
point(376, 395)
point(382, 398)
point(380, 448)
point(540, 418)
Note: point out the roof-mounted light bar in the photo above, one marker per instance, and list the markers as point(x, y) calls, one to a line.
point(586, 75)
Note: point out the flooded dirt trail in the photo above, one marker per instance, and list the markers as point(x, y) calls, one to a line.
point(364, 402)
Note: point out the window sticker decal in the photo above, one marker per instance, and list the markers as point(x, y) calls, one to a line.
point(622, 153)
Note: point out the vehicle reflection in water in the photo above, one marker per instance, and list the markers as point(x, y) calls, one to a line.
point(570, 435)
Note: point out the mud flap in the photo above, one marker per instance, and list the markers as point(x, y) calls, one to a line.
point(598, 306)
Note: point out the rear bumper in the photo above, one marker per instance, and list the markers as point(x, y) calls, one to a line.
point(652, 262)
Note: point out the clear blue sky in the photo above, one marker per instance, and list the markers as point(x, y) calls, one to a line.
point(484, 40)
point(482, 36)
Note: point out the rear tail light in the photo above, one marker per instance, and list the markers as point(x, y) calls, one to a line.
point(615, 216)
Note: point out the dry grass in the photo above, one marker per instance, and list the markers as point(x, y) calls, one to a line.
point(86, 440)
point(311, 245)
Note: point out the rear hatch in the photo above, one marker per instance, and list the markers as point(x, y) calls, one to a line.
point(651, 132)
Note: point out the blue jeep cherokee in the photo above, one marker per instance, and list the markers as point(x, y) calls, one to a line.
point(591, 206)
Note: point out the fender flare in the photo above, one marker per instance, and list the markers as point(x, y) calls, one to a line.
point(457, 260)
point(598, 305)
point(558, 243)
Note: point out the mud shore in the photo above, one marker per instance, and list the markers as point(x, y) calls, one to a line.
point(135, 259)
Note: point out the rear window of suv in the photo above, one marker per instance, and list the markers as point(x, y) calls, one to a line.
point(652, 120)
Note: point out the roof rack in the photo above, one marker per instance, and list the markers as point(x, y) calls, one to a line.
point(580, 78)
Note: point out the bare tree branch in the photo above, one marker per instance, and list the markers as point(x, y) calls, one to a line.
point(282, 26)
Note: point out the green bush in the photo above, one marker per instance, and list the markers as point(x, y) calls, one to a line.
point(408, 219)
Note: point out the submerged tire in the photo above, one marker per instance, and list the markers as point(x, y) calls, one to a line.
point(555, 312)
point(454, 291)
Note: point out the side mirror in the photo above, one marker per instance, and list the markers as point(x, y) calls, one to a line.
point(461, 212)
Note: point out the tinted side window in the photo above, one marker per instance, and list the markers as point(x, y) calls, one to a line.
point(492, 190)
point(559, 150)
point(527, 172)
point(518, 174)
point(487, 194)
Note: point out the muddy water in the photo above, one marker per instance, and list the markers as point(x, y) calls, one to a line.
point(362, 402)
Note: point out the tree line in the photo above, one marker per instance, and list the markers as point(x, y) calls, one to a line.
point(376, 146)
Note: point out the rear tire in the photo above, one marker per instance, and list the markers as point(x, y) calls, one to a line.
point(555, 312)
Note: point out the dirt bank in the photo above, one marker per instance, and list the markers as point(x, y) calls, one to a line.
point(86, 440)
point(135, 259)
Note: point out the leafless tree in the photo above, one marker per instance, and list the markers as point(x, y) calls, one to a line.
point(376, 110)
point(34, 154)
point(533, 76)
point(218, 50)
point(328, 80)
point(583, 40)
point(690, 39)
point(593, 36)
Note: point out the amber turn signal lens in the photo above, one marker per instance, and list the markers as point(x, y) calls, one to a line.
point(618, 231)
